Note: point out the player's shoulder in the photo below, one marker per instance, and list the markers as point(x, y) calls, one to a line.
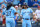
point(22, 9)
point(12, 8)
point(29, 8)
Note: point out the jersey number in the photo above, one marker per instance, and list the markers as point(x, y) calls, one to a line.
point(8, 13)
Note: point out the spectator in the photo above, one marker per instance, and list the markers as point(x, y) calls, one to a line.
point(35, 3)
point(16, 2)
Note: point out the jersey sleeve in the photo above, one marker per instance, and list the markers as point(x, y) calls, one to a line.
point(31, 11)
point(14, 10)
point(21, 12)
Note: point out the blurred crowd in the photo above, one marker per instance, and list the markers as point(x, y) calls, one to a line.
point(18, 6)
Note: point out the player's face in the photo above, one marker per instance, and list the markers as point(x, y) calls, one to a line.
point(24, 6)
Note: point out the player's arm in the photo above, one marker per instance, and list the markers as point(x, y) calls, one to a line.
point(33, 13)
point(34, 17)
point(14, 11)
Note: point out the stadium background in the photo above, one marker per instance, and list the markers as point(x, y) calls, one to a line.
point(21, 2)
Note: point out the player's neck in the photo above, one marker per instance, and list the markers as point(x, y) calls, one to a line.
point(25, 8)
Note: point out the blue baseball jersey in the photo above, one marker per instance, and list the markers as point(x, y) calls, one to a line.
point(9, 13)
point(26, 12)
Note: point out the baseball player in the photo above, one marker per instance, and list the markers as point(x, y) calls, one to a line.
point(25, 14)
point(37, 15)
point(9, 16)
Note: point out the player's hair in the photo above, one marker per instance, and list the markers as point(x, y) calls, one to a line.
point(15, 13)
point(25, 7)
point(8, 6)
